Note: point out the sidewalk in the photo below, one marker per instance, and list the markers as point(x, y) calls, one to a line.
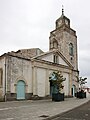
point(37, 110)
point(51, 109)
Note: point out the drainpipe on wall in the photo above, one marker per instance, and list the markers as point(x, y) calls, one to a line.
point(5, 98)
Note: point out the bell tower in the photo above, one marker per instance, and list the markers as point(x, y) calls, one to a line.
point(63, 20)
point(64, 39)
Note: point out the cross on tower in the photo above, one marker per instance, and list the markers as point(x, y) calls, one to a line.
point(62, 10)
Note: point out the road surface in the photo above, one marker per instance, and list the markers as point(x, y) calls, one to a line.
point(79, 113)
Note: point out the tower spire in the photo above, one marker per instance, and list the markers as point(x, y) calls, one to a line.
point(62, 10)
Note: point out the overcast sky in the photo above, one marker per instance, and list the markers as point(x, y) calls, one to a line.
point(27, 24)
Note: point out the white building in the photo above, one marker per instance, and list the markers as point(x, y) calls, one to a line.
point(25, 74)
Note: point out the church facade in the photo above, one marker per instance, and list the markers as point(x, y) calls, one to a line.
point(24, 74)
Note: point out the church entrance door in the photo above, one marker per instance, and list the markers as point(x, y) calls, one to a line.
point(21, 89)
point(73, 90)
point(53, 89)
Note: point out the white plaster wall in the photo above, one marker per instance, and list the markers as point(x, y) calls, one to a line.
point(21, 70)
point(61, 61)
point(27, 73)
point(47, 83)
point(41, 77)
point(41, 84)
point(13, 88)
point(48, 58)
point(66, 84)
point(2, 65)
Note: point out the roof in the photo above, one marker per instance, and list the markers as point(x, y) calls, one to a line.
point(24, 53)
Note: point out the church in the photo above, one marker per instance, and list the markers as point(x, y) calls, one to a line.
point(24, 74)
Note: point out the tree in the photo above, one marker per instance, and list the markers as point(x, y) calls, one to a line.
point(81, 81)
point(57, 80)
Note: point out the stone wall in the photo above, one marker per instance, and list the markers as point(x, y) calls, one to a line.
point(64, 38)
point(18, 69)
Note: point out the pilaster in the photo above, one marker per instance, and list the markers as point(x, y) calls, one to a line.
point(34, 80)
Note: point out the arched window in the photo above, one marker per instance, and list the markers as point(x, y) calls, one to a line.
point(55, 44)
point(55, 59)
point(71, 49)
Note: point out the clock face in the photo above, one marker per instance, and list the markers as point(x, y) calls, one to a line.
point(66, 21)
point(60, 22)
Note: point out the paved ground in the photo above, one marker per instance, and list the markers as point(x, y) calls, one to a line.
point(36, 110)
point(80, 113)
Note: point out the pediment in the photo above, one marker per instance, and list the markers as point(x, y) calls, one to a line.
point(54, 56)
